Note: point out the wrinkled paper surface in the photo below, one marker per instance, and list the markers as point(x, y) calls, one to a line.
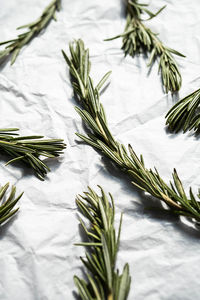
point(38, 257)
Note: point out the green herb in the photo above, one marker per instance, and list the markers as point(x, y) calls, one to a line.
point(7, 206)
point(29, 148)
point(103, 281)
point(14, 46)
point(137, 38)
point(101, 138)
point(185, 114)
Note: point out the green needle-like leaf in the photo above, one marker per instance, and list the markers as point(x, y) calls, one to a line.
point(137, 38)
point(103, 281)
point(7, 209)
point(14, 46)
point(147, 180)
point(29, 149)
point(184, 115)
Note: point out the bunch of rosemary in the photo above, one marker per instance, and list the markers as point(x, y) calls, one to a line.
point(137, 38)
point(6, 207)
point(100, 137)
point(103, 281)
point(14, 46)
point(29, 148)
point(185, 114)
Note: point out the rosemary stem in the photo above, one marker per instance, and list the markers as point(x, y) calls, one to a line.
point(147, 180)
point(14, 46)
point(137, 38)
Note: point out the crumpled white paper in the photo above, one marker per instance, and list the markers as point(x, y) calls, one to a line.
point(38, 258)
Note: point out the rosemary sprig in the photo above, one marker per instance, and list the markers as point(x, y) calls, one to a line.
point(29, 148)
point(103, 281)
point(185, 114)
point(14, 46)
point(137, 38)
point(7, 206)
point(101, 138)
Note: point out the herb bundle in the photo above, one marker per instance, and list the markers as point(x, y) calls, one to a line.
point(29, 148)
point(100, 137)
point(7, 206)
point(185, 114)
point(103, 281)
point(14, 46)
point(137, 38)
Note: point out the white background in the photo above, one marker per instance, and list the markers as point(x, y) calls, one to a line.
point(38, 258)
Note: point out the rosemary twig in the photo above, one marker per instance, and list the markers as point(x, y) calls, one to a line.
point(185, 114)
point(29, 148)
point(14, 46)
point(7, 206)
point(103, 281)
point(101, 138)
point(137, 38)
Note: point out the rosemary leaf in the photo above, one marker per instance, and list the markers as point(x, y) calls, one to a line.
point(103, 281)
point(29, 149)
point(137, 38)
point(172, 194)
point(14, 46)
point(7, 209)
point(184, 115)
